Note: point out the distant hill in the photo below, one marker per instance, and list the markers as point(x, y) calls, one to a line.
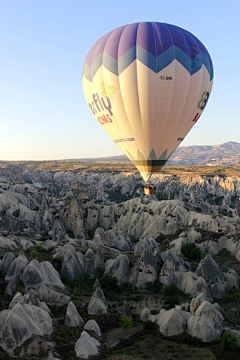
point(227, 154)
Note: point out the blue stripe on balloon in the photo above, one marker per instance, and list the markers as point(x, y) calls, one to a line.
point(146, 58)
point(87, 72)
point(183, 59)
point(149, 60)
point(110, 63)
point(165, 58)
point(96, 64)
point(126, 59)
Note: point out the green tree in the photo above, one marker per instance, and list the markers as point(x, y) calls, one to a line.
point(109, 283)
point(191, 252)
point(170, 290)
point(172, 195)
point(229, 341)
point(125, 322)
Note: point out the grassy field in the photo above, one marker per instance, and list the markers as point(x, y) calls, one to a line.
point(122, 167)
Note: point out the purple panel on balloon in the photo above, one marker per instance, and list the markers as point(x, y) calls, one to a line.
point(179, 39)
point(128, 39)
point(154, 37)
point(163, 38)
point(88, 59)
point(192, 43)
point(145, 37)
point(111, 45)
point(100, 44)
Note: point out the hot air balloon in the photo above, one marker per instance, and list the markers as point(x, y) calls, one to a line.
point(147, 84)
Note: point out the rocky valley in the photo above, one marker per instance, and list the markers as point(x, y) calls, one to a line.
point(90, 267)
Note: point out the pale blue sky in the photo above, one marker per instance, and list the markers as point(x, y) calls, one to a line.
point(43, 44)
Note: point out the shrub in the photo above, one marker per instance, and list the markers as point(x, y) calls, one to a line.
point(133, 239)
point(112, 298)
point(125, 322)
point(99, 272)
point(224, 268)
point(136, 298)
point(109, 283)
point(171, 301)
point(191, 252)
point(172, 195)
point(64, 279)
point(161, 196)
point(77, 292)
point(70, 233)
point(182, 257)
point(86, 276)
point(170, 290)
point(56, 310)
point(76, 302)
point(39, 247)
point(78, 281)
point(153, 287)
point(232, 296)
point(92, 232)
point(191, 340)
point(34, 253)
point(229, 341)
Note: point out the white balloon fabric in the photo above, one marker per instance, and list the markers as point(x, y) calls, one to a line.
point(147, 84)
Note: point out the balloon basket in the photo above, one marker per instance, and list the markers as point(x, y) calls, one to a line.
point(150, 189)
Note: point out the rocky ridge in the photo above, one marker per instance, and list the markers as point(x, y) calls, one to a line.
point(58, 229)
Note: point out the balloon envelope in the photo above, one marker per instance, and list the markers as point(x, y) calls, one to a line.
point(147, 84)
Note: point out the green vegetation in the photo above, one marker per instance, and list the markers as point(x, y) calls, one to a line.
point(183, 257)
point(77, 292)
point(153, 287)
point(92, 232)
point(56, 310)
point(125, 322)
point(232, 296)
point(215, 200)
point(39, 248)
point(171, 301)
point(191, 252)
point(172, 195)
point(109, 283)
point(57, 263)
point(77, 302)
point(161, 196)
point(70, 233)
point(99, 272)
point(171, 296)
point(34, 253)
point(137, 298)
point(133, 239)
point(229, 341)
point(170, 290)
point(78, 281)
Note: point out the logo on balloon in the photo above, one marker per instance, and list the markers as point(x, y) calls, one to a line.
point(203, 101)
point(108, 91)
point(99, 104)
point(196, 117)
